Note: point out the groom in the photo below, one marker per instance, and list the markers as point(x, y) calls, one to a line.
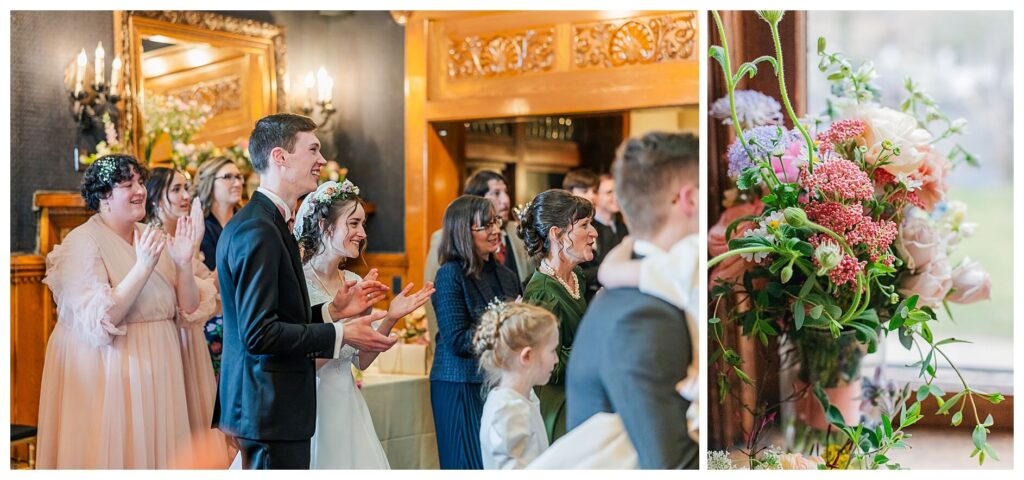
point(267, 393)
point(656, 185)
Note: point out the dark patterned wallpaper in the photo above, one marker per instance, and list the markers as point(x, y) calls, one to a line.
point(42, 131)
point(363, 51)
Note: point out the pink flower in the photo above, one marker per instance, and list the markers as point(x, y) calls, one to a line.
point(932, 172)
point(970, 283)
point(931, 284)
point(846, 271)
point(732, 268)
point(840, 132)
point(837, 179)
point(786, 167)
point(920, 244)
point(858, 229)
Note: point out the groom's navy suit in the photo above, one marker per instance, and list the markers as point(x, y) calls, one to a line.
point(267, 392)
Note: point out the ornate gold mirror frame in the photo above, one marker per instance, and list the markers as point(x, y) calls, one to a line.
point(264, 41)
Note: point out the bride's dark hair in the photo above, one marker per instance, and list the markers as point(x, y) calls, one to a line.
point(312, 239)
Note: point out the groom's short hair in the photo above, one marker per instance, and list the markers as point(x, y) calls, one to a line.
point(647, 171)
point(272, 131)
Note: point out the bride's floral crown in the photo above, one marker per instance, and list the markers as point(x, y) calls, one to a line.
point(320, 200)
point(327, 196)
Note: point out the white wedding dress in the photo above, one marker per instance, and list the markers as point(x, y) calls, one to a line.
point(344, 437)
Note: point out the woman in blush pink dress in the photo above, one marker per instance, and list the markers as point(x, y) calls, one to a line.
point(113, 386)
point(167, 200)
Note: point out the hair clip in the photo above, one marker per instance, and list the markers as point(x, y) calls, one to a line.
point(497, 306)
point(106, 170)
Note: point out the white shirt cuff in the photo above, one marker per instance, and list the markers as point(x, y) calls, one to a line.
point(339, 329)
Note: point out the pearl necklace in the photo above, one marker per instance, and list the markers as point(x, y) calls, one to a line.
point(573, 291)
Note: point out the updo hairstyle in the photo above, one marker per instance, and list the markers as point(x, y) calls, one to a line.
point(552, 208)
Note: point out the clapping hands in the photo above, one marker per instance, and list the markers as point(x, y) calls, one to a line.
point(403, 303)
point(198, 222)
point(182, 246)
point(355, 298)
point(148, 246)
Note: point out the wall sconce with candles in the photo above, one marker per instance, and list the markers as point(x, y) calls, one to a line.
point(317, 94)
point(91, 100)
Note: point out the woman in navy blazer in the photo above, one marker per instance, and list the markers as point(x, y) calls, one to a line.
point(469, 279)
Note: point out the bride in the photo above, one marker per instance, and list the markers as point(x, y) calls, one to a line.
point(330, 228)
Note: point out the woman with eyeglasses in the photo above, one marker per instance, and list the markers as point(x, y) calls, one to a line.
point(219, 189)
point(468, 280)
point(556, 229)
point(167, 200)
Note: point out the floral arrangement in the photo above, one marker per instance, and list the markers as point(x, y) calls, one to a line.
point(189, 156)
point(177, 119)
point(414, 329)
point(109, 145)
point(836, 235)
point(771, 458)
point(333, 172)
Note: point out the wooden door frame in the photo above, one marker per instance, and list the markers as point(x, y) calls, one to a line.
point(433, 164)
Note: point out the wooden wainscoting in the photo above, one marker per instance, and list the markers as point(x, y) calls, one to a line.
point(33, 317)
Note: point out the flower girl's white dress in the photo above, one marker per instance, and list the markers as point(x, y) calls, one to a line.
point(344, 437)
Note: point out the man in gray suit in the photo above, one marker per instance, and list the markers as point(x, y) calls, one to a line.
point(632, 349)
point(492, 186)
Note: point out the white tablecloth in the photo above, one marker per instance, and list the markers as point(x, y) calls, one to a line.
point(400, 407)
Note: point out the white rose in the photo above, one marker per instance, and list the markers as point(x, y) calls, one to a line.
point(970, 283)
point(897, 127)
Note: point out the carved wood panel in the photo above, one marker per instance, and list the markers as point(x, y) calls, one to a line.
point(635, 41)
point(506, 53)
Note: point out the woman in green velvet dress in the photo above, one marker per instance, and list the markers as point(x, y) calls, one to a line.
point(556, 228)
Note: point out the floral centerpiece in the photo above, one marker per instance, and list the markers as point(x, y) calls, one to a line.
point(836, 236)
point(109, 145)
point(177, 119)
point(189, 156)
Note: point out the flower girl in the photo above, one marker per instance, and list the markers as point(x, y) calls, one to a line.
point(517, 345)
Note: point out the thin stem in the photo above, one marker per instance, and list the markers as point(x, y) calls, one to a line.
point(738, 251)
point(730, 87)
point(785, 97)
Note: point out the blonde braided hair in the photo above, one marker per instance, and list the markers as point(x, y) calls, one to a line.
point(505, 329)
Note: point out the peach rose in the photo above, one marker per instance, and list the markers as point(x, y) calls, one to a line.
point(796, 461)
point(932, 173)
point(897, 127)
point(970, 283)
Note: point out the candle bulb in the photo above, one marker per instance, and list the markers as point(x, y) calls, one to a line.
point(82, 59)
point(100, 64)
point(115, 75)
point(309, 82)
point(322, 83)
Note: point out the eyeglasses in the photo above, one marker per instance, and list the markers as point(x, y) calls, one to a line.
point(230, 177)
point(497, 222)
